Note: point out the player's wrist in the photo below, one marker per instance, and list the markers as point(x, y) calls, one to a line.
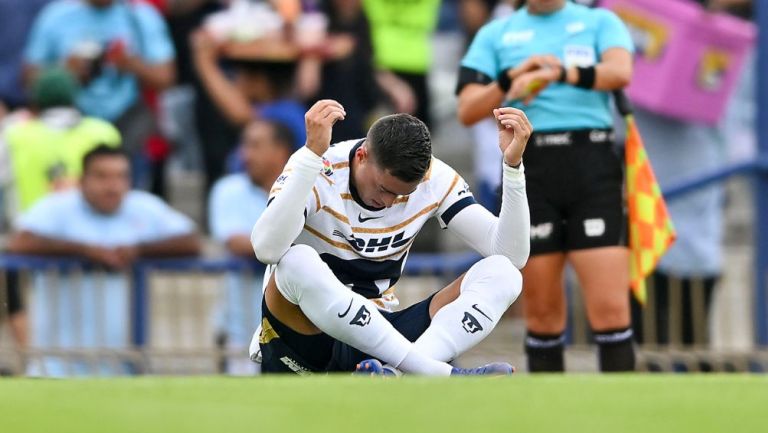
point(316, 150)
point(306, 162)
point(514, 163)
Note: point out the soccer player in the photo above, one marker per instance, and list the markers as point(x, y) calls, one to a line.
point(337, 230)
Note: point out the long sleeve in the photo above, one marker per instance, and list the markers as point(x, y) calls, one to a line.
point(283, 219)
point(509, 234)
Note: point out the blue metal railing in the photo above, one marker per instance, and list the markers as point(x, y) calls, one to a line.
point(761, 183)
point(743, 168)
point(759, 169)
point(451, 265)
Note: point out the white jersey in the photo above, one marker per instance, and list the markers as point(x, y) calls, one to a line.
point(366, 248)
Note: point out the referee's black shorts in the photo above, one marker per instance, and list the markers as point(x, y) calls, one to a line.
point(575, 191)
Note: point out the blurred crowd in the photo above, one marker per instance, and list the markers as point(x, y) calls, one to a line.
point(97, 96)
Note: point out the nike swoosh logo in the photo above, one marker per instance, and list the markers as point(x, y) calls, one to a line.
point(362, 220)
point(346, 312)
point(480, 311)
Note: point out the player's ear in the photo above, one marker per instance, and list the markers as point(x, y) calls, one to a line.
point(362, 153)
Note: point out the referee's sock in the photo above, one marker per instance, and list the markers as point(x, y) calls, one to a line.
point(545, 352)
point(616, 350)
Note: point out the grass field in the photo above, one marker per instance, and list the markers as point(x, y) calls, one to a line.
point(568, 404)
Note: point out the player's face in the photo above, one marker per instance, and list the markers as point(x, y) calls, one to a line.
point(261, 154)
point(376, 187)
point(545, 6)
point(106, 182)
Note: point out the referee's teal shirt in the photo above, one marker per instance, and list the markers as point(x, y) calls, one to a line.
point(577, 35)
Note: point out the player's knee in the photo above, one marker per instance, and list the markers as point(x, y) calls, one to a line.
point(507, 280)
point(297, 263)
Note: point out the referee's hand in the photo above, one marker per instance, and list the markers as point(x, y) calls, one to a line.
point(319, 122)
point(514, 132)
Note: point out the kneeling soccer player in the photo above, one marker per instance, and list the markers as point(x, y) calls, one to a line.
point(336, 233)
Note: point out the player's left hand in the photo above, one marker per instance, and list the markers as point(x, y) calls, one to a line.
point(514, 131)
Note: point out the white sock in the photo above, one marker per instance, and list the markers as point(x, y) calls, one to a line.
point(305, 280)
point(488, 289)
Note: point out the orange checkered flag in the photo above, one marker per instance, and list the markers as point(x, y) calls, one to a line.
point(651, 231)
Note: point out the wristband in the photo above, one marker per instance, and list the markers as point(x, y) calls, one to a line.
point(504, 82)
point(586, 77)
point(563, 74)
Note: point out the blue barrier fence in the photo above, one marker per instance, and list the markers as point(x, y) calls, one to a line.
point(449, 265)
point(761, 183)
point(759, 170)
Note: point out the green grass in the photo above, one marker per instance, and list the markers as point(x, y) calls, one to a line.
point(568, 404)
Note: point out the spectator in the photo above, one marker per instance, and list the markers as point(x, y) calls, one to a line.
point(187, 101)
point(259, 89)
point(109, 225)
point(45, 153)
point(265, 149)
point(113, 47)
point(15, 21)
point(402, 32)
point(346, 73)
point(574, 177)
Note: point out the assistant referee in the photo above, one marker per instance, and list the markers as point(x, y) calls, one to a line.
point(559, 61)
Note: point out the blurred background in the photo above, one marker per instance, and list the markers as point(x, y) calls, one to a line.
point(204, 101)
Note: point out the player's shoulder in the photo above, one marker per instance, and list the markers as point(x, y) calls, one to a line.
point(336, 162)
point(439, 171)
point(338, 153)
point(440, 177)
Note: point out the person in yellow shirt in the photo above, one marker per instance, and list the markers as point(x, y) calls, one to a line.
point(44, 153)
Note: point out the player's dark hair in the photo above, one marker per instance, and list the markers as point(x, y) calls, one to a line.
point(401, 145)
point(100, 151)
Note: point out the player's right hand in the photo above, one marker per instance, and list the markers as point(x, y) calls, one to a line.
point(319, 121)
point(514, 131)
